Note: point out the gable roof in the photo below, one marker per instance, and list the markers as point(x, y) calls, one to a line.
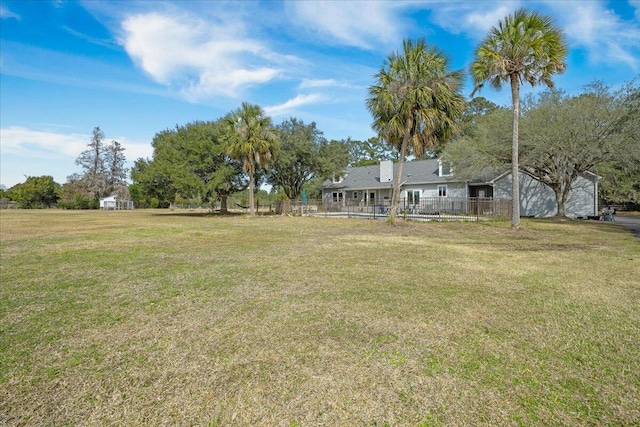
point(368, 177)
point(586, 174)
point(416, 172)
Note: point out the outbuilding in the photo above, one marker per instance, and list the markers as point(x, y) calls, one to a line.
point(113, 203)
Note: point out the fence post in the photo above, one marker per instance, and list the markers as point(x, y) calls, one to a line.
point(477, 210)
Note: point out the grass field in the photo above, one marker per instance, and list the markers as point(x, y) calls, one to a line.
point(157, 318)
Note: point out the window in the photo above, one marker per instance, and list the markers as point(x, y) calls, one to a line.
point(413, 197)
point(355, 194)
point(372, 196)
point(337, 197)
point(337, 179)
point(442, 190)
point(445, 169)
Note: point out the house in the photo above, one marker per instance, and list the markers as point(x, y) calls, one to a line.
point(113, 202)
point(429, 186)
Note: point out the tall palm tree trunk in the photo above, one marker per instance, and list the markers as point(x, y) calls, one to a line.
point(252, 209)
point(515, 168)
point(395, 197)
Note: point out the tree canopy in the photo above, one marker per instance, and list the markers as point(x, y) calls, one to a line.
point(191, 161)
point(36, 192)
point(298, 159)
point(92, 161)
point(103, 173)
point(562, 136)
point(484, 148)
point(621, 173)
point(370, 151)
point(252, 139)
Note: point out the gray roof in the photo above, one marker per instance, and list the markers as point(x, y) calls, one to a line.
point(368, 177)
point(415, 172)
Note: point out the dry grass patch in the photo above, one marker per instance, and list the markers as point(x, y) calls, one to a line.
point(154, 318)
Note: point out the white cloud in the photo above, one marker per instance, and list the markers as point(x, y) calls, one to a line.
point(135, 150)
point(290, 105)
point(589, 25)
point(108, 43)
point(5, 13)
point(312, 83)
point(473, 18)
point(198, 58)
point(316, 83)
point(28, 142)
point(636, 5)
point(29, 152)
point(72, 69)
point(604, 35)
point(18, 140)
point(353, 23)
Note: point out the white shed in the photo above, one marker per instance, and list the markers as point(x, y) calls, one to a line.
point(112, 202)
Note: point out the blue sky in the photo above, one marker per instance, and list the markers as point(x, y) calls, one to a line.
point(135, 68)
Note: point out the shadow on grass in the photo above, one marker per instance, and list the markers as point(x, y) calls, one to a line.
point(610, 227)
point(209, 214)
point(200, 214)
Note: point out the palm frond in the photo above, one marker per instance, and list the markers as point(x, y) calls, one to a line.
point(526, 44)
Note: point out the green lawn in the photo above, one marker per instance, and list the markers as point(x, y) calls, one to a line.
point(156, 318)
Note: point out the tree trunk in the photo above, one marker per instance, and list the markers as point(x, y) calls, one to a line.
point(395, 197)
point(223, 204)
point(515, 177)
point(562, 203)
point(560, 200)
point(252, 209)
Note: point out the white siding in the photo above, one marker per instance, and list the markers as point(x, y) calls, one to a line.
point(539, 200)
point(454, 189)
point(107, 202)
point(581, 201)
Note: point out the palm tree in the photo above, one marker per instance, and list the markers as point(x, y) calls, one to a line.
point(415, 103)
point(524, 47)
point(253, 140)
